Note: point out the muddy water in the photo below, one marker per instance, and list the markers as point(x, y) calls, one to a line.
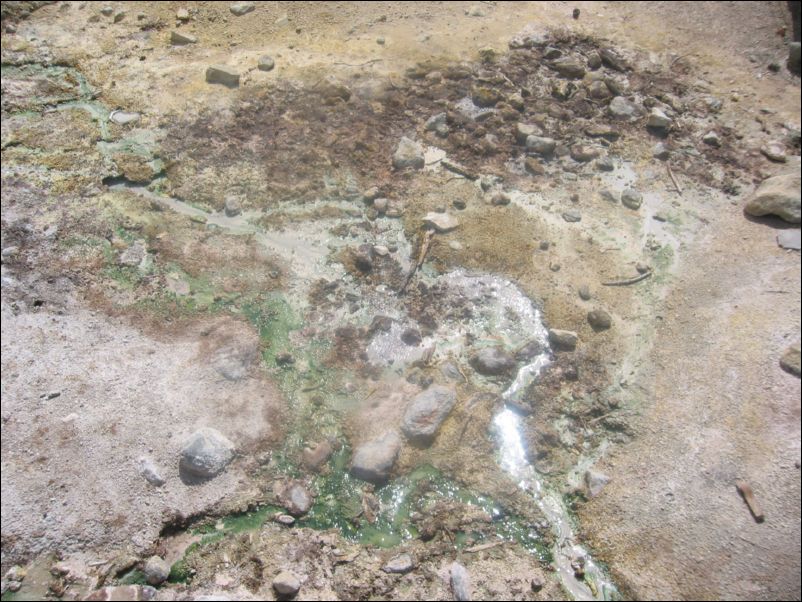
point(503, 315)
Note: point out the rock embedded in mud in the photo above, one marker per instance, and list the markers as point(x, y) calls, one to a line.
point(408, 154)
point(661, 151)
point(134, 256)
point(399, 565)
point(780, 196)
point(220, 74)
point(124, 592)
point(631, 198)
point(317, 455)
point(499, 199)
point(572, 216)
point(569, 67)
point(460, 582)
point(441, 222)
point(296, 499)
point(266, 63)
point(794, 61)
point(583, 153)
point(206, 453)
point(712, 139)
point(286, 584)
point(373, 461)
point(426, 412)
point(790, 360)
point(156, 570)
point(493, 361)
point(563, 340)
point(241, 8)
point(584, 292)
point(595, 482)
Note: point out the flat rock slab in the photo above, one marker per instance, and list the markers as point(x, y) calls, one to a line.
point(492, 361)
point(206, 453)
point(373, 461)
point(790, 239)
point(219, 74)
point(442, 222)
point(426, 413)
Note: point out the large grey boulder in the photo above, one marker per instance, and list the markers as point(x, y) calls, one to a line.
point(206, 453)
point(426, 413)
point(778, 196)
point(373, 461)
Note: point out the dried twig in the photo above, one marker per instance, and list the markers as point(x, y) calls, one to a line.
point(629, 280)
point(424, 249)
point(360, 64)
point(749, 497)
point(673, 179)
point(484, 546)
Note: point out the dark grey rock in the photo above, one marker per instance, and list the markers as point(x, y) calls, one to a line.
point(584, 292)
point(780, 196)
point(599, 319)
point(241, 8)
point(790, 360)
point(266, 63)
point(563, 340)
point(499, 198)
point(460, 582)
point(411, 336)
point(156, 570)
point(712, 139)
point(794, 60)
point(605, 164)
point(373, 461)
point(220, 74)
point(631, 198)
point(426, 412)
point(529, 350)
point(493, 361)
point(572, 216)
point(594, 60)
point(599, 90)
point(206, 453)
point(232, 206)
point(569, 67)
point(660, 151)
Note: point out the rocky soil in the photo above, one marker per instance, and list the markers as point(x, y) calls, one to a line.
point(272, 272)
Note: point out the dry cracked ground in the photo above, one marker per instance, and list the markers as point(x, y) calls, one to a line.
point(415, 300)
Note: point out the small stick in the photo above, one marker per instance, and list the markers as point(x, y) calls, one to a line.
point(749, 497)
point(427, 242)
point(673, 179)
point(629, 281)
point(359, 64)
point(484, 546)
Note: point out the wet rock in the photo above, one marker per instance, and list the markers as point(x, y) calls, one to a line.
point(485, 97)
point(584, 292)
point(780, 196)
point(790, 360)
point(492, 361)
point(296, 499)
point(220, 74)
point(315, 456)
point(712, 139)
point(595, 482)
point(284, 519)
point(621, 108)
point(563, 340)
point(790, 239)
point(460, 582)
point(599, 319)
point(286, 584)
point(426, 412)
point(241, 8)
point(149, 470)
point(605, 164)
point(408, 154)
point(399, 565)
point(441, 222)
point(373, 461)
point(660, 151)
point(658, 120)
point(499, 198)
point(774, 151)
point(541, 145)
point(232, 207)
point(206, 453)
point(123, 117)
point(583, 153)
point(266, 63)
point(569, 67)
point(631, 198)
point(156, 570)
point(124, 592)
point(794, 57)
point(572, 216)
point(411, 336)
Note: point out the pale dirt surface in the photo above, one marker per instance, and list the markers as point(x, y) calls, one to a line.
point(692, 361)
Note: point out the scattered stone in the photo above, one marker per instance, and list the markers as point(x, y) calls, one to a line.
point(660, 217)
point(516, 101)
point(119, 16)
point(500, 198)
point(790, 360)
point(485, 97)
point(266, 63)
point(123, 117)
point(182, 14)
point(621, 108)
point(441, 222)
point(107, 11)
point(284, 519)
point(286, 584)
point(426, 412)
point(599, 319)
point(551, 53)
point(181, 39)
point(493, 361)
point(594, 60)
point(460, 582)
point(660, 151)
point(232, 207)
point(380, 41)
point(631, 198)
point(569, 67)
point(408, 154)
point(603, 131)
point(206, 453)
point(612, 60)
point(435, 122)
point(794, 57)
point(296, 499)
point(395, 208)
point(411, 336)
point(544, 245)
point(133, 256)
point(373, 461)
point(149, 470)
point(459, 204)
point(220, 74)
point(608, 195)
point(534, 167)
point(132, 593)
point(774, 151)
point(316, 456)
point(241, 8)
point(541, 145)
point(780, 196)
point(595, 482)
point(156, 570)
point(599, 90)
point(584, 292)
point(790, 239)
point(605, 164)
point(524, 130)
point(563, 340)
point(572, 216)
point(583, 153)
point(658, 120)
point(399, 565)
point(712, 139)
